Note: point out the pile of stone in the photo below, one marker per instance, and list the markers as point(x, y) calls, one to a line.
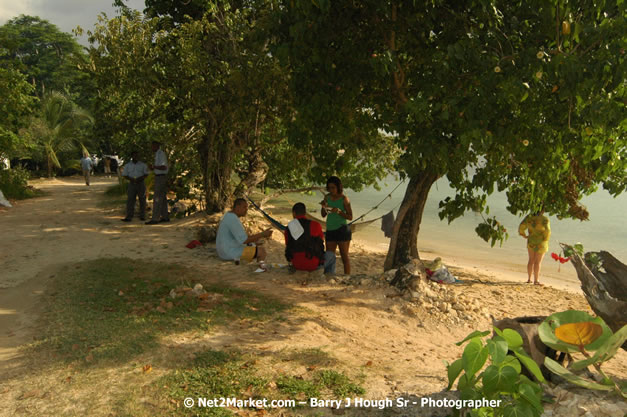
point(440, 301)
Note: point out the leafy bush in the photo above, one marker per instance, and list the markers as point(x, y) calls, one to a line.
point(14, 183)
point(500, 380)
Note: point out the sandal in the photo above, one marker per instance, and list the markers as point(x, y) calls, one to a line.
point(538, 283)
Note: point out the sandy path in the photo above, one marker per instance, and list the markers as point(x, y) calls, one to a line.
point(66, 225)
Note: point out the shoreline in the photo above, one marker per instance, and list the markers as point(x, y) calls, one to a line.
point(506, 271)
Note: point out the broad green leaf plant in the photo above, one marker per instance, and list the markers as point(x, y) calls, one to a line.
point(501, 380)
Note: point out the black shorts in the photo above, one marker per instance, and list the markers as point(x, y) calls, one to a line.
point(343, 234)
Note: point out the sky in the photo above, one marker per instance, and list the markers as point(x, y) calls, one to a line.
point(66, 14)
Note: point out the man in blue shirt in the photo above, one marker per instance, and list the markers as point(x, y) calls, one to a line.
point(232, 241)
point(86, 164)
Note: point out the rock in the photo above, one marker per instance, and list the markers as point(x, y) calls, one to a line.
point(4, 201)
point(198, 289)
point(429, 293)
point(207, 234)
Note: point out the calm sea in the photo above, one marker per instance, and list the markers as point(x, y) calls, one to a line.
point(606, 229)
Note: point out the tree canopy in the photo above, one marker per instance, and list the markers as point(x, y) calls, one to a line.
point(47, 57)
point(210, 90)
point(526, 97)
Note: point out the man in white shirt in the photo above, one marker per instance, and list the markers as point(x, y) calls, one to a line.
point(135, 172)
point(160, 202)
point(86, 164)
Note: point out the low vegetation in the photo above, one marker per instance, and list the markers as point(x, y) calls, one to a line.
point(138, 336)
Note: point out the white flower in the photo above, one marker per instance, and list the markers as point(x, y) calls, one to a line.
point(539, 75)
point(497, 69)
point(540, 55)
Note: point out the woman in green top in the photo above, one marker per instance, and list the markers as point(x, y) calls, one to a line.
point(539, 229)
point(338, 208)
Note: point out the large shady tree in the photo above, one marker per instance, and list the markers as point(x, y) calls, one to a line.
point(210, 88)
point(48, 57)
point(522, 96)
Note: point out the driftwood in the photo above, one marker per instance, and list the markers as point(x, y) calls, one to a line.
point(605, 288)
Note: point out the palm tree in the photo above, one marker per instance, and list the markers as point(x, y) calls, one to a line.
point(55, 127)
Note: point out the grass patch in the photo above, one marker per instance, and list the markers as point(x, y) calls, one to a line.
point(325, 383)
point(214, 374)
point(110, 310)
point(121, 188)
point(312, 357)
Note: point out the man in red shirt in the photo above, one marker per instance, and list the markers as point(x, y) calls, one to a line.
point(304, 241)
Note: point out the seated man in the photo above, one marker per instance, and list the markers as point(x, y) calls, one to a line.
point(232, 241)
point(304, 242)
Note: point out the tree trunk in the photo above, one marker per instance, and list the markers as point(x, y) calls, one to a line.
point(257, 172)
point(49, 167)
point(404, 241)
point(605, 289)
point(216, 161)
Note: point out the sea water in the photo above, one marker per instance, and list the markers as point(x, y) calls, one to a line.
point(458, 242)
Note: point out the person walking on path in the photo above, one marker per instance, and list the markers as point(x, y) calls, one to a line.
point(135, 172)
point(337, 206)
point(107, 166)
point(539, 229)
point(87, 165)
point(160, 201)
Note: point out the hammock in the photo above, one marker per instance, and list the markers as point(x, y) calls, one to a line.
point(274, 222)
point(353, 225)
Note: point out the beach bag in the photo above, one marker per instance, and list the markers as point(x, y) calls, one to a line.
point(443, 275)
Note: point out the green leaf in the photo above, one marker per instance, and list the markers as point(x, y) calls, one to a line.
point(514, 340)
point(498, 349)
point(497, 379)
point(512, 362)
point(528, 393)
point(605, 352)
point(518, 410)
point(559, 370)
point(474, 357)
point(453, 370)
point(472, 335)
point(546, 330)
point(530, 364)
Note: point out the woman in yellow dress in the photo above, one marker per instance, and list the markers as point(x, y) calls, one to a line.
point(539, 232)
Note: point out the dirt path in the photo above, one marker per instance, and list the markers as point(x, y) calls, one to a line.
point(68, 224)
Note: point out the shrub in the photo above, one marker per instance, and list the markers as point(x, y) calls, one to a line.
point(14, 183)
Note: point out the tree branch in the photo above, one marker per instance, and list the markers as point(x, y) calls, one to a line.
point(287, 190)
